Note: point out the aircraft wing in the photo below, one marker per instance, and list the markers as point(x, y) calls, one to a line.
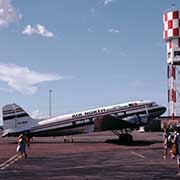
point(109, 122)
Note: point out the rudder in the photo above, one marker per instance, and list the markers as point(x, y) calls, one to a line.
point(15, 119)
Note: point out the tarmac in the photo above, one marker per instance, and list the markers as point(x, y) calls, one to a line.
point(95, 156)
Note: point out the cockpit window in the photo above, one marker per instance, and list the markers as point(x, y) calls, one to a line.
point(154, 104)
point(132, 104)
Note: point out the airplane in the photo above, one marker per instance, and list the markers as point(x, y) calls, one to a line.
point(116, 118)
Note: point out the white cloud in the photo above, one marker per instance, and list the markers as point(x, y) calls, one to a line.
point(137, 84)
point(122, 52)
point(90, 30)
point(38, 30)
point(38, 115)
point(106, 2)
point(118, 52)
point(113, 30)
point(105, 50)
point(22, 79)
point(92, 11)
point(6, 90)
point(8, 14)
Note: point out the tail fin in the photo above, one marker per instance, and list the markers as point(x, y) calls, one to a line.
point(15, 120)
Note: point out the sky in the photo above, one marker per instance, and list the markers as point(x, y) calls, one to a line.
point(90, 53)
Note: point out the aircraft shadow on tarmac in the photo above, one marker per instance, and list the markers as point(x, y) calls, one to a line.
point(109, 141)
point(134, 143)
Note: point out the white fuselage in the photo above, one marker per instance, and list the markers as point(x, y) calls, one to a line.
point(126, 115)
point(83, 122)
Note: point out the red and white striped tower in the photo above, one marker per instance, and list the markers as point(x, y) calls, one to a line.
point(171, 35)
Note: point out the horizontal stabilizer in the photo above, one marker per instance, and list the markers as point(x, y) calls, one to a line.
point(4, 134)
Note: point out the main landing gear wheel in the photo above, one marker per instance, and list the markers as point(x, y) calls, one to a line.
point(126, 138)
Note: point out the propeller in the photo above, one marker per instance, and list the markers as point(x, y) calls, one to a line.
point(147, 113)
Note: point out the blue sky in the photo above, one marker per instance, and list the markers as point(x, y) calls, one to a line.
point(90, 53)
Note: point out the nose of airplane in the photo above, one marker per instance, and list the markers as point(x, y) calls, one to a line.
point(162, 110)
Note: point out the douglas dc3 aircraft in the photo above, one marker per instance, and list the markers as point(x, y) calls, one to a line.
point(116, 118)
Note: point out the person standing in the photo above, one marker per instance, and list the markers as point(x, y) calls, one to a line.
point(22, 145)
point(177, 141)
point(167, 142)
point(28, 141)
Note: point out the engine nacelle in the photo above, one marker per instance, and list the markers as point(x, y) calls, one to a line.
point(138, 120)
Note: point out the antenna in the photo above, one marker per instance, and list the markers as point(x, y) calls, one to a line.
point(172, 8)
point(173, 4)
point(50, 92)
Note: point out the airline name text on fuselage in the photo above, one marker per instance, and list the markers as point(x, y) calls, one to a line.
point(102, 110)
point(88, 113)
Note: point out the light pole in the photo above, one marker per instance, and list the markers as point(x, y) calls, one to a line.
point(50, 92)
